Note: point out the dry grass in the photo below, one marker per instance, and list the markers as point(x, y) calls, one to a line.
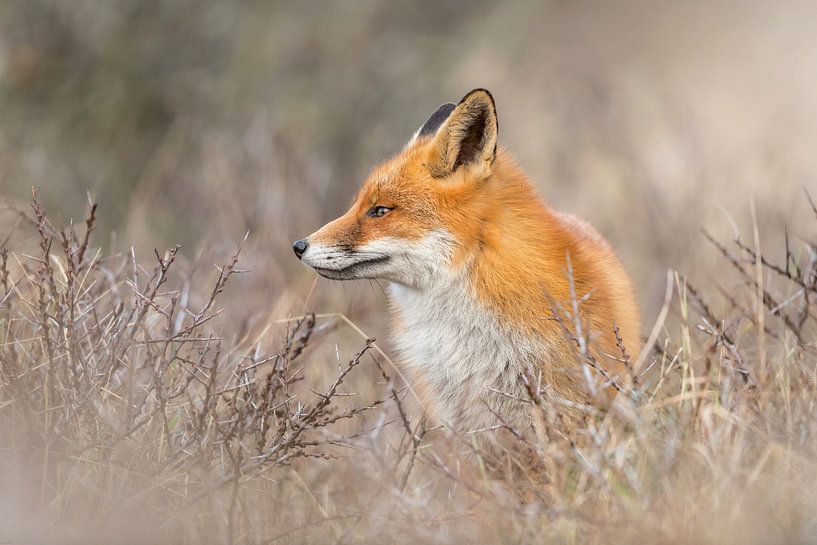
point(132, 411)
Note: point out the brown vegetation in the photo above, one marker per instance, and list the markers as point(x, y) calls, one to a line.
point(132, 412)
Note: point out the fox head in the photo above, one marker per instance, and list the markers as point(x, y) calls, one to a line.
point(412, 216)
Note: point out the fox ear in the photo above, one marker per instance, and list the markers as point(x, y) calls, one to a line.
point(467, 139)
point(434, 122)
point(437, 119)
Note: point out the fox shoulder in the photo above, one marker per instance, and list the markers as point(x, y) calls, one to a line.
point(582, 229)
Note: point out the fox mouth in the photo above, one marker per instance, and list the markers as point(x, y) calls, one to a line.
point(353, 271)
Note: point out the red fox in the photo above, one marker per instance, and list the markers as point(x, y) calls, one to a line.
point(477, 265)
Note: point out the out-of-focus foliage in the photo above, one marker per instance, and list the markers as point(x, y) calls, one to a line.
point(195, 122)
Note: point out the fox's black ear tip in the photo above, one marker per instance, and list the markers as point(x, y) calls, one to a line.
point(437, 119)
point(444, 110)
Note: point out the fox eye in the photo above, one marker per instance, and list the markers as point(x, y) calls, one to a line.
point(378, 211)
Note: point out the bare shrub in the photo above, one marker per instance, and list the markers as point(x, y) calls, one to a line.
point(112, 370)
point(131, 412)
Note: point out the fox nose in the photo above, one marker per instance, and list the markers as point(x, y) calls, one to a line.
point(299, 247)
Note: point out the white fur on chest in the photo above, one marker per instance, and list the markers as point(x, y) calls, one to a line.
point(461, 353)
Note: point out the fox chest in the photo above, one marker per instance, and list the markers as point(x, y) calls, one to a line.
point(462, 355)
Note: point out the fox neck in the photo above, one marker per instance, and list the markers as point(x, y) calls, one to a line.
point(460, 353)
point(503, 240)
point(492, 252)
point(449, 329)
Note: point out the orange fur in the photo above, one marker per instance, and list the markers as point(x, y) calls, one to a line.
point(513, 248)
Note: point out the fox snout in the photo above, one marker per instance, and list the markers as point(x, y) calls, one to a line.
point(300, 247)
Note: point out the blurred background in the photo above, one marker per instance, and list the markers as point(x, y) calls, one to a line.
point(198, 122)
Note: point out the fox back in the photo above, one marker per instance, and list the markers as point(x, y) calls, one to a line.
point(483, 276)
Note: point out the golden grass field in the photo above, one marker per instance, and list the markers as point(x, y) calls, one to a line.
point(169, 373)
